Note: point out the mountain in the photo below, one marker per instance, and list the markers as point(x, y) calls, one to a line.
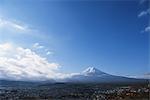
point(94, 75)
point(89, 75)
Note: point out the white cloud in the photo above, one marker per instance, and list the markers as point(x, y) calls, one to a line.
point(37, 46)
point(6, 46)
point(49, 53)
point(147, 29)
point(24, 64)
point(17, 28)
point(143, 13)
point(14, 26)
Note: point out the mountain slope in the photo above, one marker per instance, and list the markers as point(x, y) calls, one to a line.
point(94, 75)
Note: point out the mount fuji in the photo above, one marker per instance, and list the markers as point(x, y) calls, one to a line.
point(94, 75)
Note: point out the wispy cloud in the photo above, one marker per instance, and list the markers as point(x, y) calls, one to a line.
point(10, 25)
point(22, 63)
point(37, 46)
point(49, 53)
point(19, 28)
point(147, 29)
point(144, 13)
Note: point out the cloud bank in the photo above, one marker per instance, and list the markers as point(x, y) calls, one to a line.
point(24, 64)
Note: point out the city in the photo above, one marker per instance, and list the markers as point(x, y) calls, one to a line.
point(72, 91)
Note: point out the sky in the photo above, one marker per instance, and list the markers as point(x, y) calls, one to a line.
point(44, 37)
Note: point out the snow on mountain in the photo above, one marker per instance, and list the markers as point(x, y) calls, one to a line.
point(93, 71)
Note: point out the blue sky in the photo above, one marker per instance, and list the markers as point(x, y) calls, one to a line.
point(109, 35)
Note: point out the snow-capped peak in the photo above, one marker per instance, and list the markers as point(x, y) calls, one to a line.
point(92, 71)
